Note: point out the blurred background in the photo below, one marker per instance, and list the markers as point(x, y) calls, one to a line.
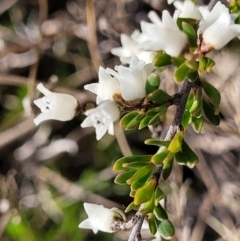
point(47, 172)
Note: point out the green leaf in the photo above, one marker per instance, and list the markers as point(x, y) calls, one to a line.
point(160, 213)
point(131, 207)
point(123, 177)
point(118, 166)
point(166, 229)
point(160, 157)
point(213, 94)
point(147, 207)
point(176, 143)
point(180, 73)
point(162, 59)
point(153, 82)
point(158, 110)
point(158, 195)
point(181, 158)
point(152, 224)
point(198, 124)
point(209, 113)
point(196, 108)
point(155, 142)
point(191, 34)
point(141, 172)
point(186, 119)
point(192, 76)
point(202, 64)
point(145, 193)
point(159, 96)
point(126, 119)
point(135, 165)
point(140, 181)
point(190, 21)
point(167, 168)
point(134, 122)
point(192, 158)
point(192, 64)
point(209, 65)
point(144, 122)
point(177, 61)
point(190, 100)
point(155, 119)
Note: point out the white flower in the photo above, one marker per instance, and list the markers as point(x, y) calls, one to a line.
point(102, 118)
point(130, 48)
point(217, 27)
point(162, 35)
point(187, 9)
point(106, 88)
point(100, 218)
point(55, 106)
point(133, 78)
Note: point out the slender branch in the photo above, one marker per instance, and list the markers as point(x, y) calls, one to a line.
point(173, 129)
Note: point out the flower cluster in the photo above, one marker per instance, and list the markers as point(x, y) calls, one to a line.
point(215, 29)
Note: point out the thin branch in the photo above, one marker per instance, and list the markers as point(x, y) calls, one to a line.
point(173, 129)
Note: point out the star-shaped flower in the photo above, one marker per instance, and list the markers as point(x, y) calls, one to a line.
point(162, 34)
point(106, 88)
point(100, 218)
point(130, 47)
point(217, 28)
point(102, 118)
point(55, 106)
point(133, 78)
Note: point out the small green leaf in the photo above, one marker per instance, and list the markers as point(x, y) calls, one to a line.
point(177, 61)
point(192, 76)
point(147, 207)
point(123, 177)
point(176, 143)
point(118, 166)
point(209, 65)
point(126, 119)
point(196, 108)
point(131, 207)
point(162, 59)
point(153, 82)
point(160, 157)
point(140, 181)
point(213, 94)
point(145, 193)
point(180, 73)
point(166, 229)
point(141, 172)
point(190, 21)
point(192, 64)
point(202, 64)
point(134, 122)
point(192, 158)
point(159, 96)
point(186, 120)
point(167, 168)
point(144, 122)
point(160, 213)
point(158, 110)
point(155, 142)
point(135, 165)
point(158, 195)
point(209, 113)
point(198, 124)
point(181, 158)
point(190, 100)
point(155, 119)
point(191, 34)
point(152, 224)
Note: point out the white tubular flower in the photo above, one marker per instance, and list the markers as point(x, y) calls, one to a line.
point(55, 106)
point(130, 48)
point(162, 35)
point(102, 118)
point(217, 27)
point(187, 9)
point(101, 218)
point(106, 88)
point(133, 78)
